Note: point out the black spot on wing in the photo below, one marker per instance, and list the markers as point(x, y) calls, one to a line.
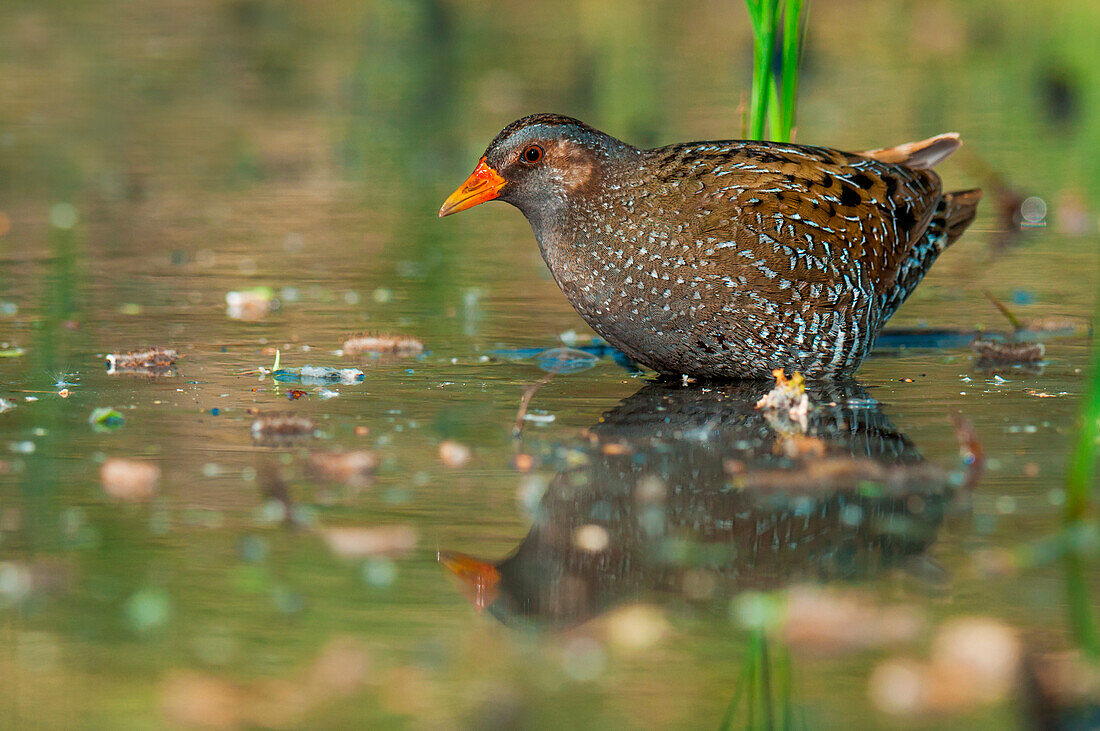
point(849, 196)
point(891, 186)
point(905, 218)
point(863, 180)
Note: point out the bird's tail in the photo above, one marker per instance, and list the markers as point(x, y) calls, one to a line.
point(958, 209)
point(953, 214)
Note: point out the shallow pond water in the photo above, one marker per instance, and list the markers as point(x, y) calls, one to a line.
point(638, 540)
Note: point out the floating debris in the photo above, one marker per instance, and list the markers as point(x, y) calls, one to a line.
point(192, 699)
point(992, 351)
point(800, 446)
point(1030, 392)
point(973, 661)
point(42, 576)
point(12, 352)
point(401, 346)
point(279, 427)
point(294, 394)
point(981, 651)
point(278, 505)
point(357, 542)
point(6, 405)
point(788, 401)
point(591, 538)
point(129, 480)
point(147, 362)
point(1053, 326)
point(842, 473)
point(351, 468)
point(454, 454)
point(250, 304)
point(318, 375)
point(105, 419)
point(196, 700)
point(636, 626)
point(1063, 688)
point(827, 622)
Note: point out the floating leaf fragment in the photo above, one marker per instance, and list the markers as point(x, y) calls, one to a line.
point(12, 353)
point(788, 401)
point(402, 346)
point(154, 361)
point(105, 419)
point(992, 351)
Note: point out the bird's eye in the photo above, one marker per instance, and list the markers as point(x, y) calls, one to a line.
point(532, 154)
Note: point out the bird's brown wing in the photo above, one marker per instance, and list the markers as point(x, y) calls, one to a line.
point(790, 216)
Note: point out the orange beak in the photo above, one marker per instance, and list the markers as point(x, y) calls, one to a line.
point(484, 184)
point(481, 578)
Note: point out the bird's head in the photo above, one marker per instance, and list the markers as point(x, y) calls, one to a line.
point(537, 164)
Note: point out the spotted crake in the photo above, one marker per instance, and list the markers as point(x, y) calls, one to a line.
point(726, 259)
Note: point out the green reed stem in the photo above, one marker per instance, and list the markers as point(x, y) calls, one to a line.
point(1079, 503)
point(772, 100)
point(792, 42)
point(765, 685)
point(763, 16)
point(1082, 466)
point(738, 692)
point(1082, 622)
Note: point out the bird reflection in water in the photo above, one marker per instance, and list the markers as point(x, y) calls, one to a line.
point(693, 494)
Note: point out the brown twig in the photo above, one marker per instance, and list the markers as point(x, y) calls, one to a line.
point(525, 401)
